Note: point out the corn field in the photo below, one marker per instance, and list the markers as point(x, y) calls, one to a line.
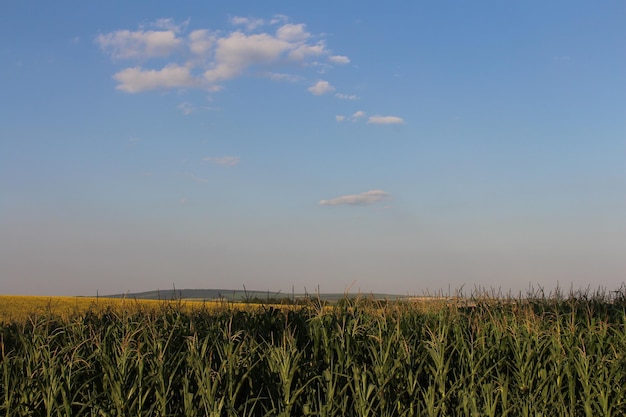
point(489, 357)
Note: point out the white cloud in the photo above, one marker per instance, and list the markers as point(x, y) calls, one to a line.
point(135, 80)
point(279, 18)
point(239, 20)
point(201, 41)
point(385, 120)
point(339, 59)
point(321, 87)
point(249, 23)
point(206, 58)
point(354, 118)
point(292, 33)
point(230, 161)
point(342, 96)
point(170, 25)
point(358, 114)
point(124, 44)
point(303, 51)
point(368, 197)
point(239, 51)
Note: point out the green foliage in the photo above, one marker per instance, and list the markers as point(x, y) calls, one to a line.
point(480, 357)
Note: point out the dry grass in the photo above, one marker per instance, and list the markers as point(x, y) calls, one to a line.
point(17, 308)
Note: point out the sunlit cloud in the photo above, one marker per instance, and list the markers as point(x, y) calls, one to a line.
point(358, 114)
point(204, 58)
point(380, 120)
point(238, 51)
point(339, 59)
point(385, 120)
point(366, 198)
point(135, 80)
point(201, 42)
point(293, 33)
point(321, 87)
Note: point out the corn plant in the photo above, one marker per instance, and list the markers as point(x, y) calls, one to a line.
point(533, 356)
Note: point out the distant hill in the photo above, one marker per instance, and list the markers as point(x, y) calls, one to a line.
point(238, 295)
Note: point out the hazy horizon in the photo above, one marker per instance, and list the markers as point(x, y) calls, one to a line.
point(395, 147)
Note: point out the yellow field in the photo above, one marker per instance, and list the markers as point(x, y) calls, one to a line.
point(19, 308)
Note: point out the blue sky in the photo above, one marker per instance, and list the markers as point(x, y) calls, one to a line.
point(402, 147)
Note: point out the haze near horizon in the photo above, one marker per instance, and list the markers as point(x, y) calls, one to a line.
point(400, 147)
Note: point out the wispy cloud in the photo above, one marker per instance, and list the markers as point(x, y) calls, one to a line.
point(339, 59)
point(206, 58)
point(170, 24)
point(279, 18)
point(342, 96)
point(280, 76)
point(229, 161)
point(321, 87)
point(186, 108)
point(248, 22)
point(356, 116)
point(140, 44)
point(385, 120)
point(366, 198)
